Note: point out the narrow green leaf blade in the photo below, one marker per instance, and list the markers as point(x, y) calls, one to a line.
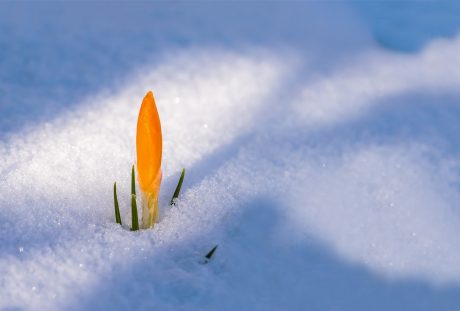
point(211, 252)
point(117, 208)
point(134, 216)
point(177, 191)
point(133, 182)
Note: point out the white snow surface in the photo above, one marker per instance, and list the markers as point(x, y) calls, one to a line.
point(322, 161)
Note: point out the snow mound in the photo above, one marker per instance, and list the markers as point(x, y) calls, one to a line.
point(327, 185)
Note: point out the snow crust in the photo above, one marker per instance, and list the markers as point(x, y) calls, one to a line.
point(327, 184)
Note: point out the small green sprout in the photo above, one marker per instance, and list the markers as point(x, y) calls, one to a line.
point(177, 191)
point(211, 253)
point(135, 219)
point(115, 200)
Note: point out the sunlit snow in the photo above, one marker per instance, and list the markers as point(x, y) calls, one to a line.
point(327, 170)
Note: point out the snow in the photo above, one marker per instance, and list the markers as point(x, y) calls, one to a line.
point(321, 158)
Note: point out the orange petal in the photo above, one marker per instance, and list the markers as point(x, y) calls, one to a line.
point(149, 146)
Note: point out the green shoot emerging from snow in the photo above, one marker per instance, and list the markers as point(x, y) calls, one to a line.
point(135, 219)
point(177, 191)
point(210, 253)
point(115, 200)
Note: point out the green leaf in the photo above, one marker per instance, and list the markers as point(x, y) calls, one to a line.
point(135, 218)
point(115, 200)
point(133, 182)
point(211, 252)
point(177, 191)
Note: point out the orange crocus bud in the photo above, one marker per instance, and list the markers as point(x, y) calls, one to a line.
point(149, 150)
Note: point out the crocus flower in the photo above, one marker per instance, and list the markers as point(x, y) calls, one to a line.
point(149, 150)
